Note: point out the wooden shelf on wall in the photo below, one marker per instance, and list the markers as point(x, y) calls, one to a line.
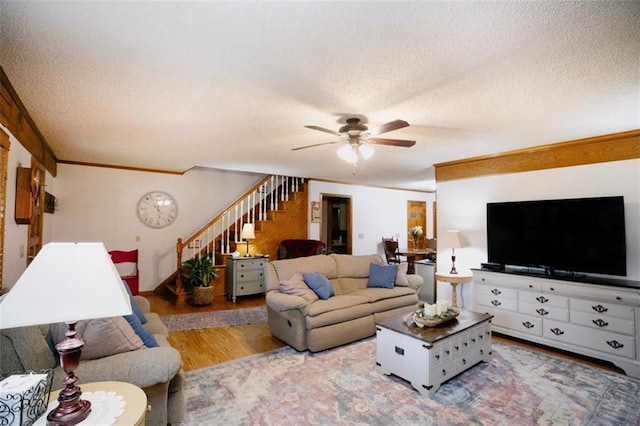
point(24, 200)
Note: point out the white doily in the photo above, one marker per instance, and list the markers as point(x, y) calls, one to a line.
point(105, 408)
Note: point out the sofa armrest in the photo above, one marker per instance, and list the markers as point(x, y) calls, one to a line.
point(143, 367)
point(284, 302)
point(142, 303)
point(415, 281)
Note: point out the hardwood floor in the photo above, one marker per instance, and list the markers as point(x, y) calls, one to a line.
point(204, 347)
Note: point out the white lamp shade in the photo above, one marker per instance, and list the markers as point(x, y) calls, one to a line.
point(451, 239)
point(348, 154)
point(66, 282)
point(366, 151)
point(248, 233)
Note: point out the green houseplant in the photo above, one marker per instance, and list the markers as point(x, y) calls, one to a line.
point(200, 272)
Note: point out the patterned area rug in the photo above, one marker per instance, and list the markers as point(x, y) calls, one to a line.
point(215, 319)
point(342, 387)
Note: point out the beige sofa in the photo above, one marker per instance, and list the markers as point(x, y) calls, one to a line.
point(158, 371)
point(348, 316)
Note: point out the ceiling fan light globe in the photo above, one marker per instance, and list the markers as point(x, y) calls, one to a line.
point(348, 154)
point(366, 151)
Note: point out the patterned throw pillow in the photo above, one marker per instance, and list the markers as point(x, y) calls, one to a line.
point(297, 287)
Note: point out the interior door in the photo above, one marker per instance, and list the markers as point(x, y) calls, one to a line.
point(417, 216)
point(34, 244)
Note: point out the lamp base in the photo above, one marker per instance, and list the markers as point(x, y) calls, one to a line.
point(71, 409)
point(453, 265)
point(70, 412)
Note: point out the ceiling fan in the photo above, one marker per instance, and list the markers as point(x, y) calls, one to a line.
point(358, 137)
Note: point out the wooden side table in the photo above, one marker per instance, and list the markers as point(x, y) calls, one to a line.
point(454, 280)
point(134, 412)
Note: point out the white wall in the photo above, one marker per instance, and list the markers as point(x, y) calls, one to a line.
point(376, 212)
point(15, 235)
point(99, 204)
point(462, 205)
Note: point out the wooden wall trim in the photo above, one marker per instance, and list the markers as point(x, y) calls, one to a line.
point(113, 166)
point(599, 149)
point(15, 117)
point(5, 143)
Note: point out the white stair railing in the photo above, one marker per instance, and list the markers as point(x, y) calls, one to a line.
point(226, 226)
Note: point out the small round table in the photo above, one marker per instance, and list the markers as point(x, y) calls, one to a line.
point(135, 408)
point(454, 280)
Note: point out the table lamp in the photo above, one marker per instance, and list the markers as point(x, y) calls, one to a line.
point(247, 233)
point(453, 240)
point(66, 282)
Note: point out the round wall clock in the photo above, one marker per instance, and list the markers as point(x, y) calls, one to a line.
point(157, 209)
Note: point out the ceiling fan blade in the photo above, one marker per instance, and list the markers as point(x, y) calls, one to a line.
point(322, 129)
point(314, 145)
point(393, 142)
point(392, 125)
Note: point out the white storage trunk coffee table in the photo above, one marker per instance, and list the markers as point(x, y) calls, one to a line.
point(429, 356)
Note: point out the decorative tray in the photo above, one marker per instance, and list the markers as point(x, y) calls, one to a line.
point(421, 320)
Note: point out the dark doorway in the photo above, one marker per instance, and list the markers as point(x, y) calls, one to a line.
point(336, 223)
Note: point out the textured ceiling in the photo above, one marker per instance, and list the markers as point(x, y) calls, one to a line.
point(172, 85)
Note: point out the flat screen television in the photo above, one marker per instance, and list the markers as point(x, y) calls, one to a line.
point(585, 235)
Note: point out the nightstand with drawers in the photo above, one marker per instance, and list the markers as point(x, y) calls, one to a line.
point(245, 276)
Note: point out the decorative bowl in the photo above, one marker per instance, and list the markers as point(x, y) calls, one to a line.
point(421, 320)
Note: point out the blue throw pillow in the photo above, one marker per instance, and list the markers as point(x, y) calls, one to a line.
point(134, 306)
point(144, 335)
point(319, 284)
point(382, 276)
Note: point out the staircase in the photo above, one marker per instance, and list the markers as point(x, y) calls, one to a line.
point(276, 206)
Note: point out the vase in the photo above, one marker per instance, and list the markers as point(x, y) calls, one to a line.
point(415, 242)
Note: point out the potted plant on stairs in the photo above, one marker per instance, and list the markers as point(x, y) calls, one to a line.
point(201, 272)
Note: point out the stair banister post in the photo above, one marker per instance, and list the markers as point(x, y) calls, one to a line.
point(179, 248)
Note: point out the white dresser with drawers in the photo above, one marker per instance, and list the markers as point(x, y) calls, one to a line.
point(590, 318)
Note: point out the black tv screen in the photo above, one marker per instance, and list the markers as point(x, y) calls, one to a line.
point(571, 235)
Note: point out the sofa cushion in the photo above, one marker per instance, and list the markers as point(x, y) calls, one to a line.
point(26, 348)
point(336, 309)
point(382, 276)
point(297, 287)
point(319, 284)
point(401, 276)
point(103, 336)
point(375, 294)
point(322, 264)
point(355, 266)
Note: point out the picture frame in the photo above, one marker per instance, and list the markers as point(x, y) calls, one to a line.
point(315, 212)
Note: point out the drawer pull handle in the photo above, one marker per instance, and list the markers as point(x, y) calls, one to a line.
point(496, 291)
point(444, 372)
point(448, 351)
point(542, 299)
point(557, 331)
point(615, 344)
point(481, 336)
point(481, 351)
point(399, 351)
point(465, 344)
point(457, 348)
point(438, 356)
point(473, 340)
point(464, 361)
point(600, 323)
point(542, 312)
point(528, 324)
point(496, 303)
point(599, 309)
